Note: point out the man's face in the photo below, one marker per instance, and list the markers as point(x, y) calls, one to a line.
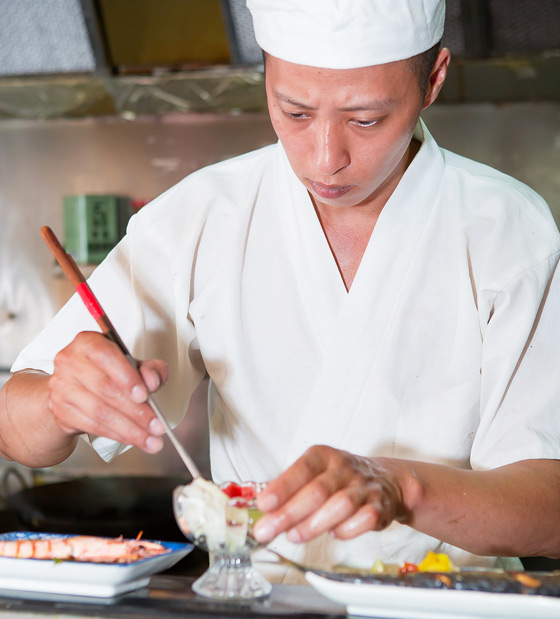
point(346, 132)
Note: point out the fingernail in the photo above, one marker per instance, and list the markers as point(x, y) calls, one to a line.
point(268, 502)
point(294, 536)
point(153, 444)
point(264, 532)
point(139, 394)
point(156, 427)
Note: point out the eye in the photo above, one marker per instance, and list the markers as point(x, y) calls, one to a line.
point(296, 115)
point(365, 123)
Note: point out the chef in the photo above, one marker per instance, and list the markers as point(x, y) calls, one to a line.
point(377, 315)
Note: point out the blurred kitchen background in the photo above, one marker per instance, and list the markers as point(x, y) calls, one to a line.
point(123, 98)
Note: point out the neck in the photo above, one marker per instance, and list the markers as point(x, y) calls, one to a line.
point(348, 230)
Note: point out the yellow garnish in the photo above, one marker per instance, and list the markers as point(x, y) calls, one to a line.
point(433, 562)
point(378, 567)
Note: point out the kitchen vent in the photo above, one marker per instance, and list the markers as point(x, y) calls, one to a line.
point(453, 34)
point(502, 28)
point(46, 36)
point(244, 47)
point(524, 26)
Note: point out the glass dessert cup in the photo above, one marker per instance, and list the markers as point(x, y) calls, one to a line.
point(219, 519)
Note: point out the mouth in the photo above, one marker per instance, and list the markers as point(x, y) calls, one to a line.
point(329, 192)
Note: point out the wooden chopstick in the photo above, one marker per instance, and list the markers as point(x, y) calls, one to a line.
point(73, 273)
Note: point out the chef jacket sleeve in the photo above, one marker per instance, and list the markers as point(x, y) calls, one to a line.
point(520, 392)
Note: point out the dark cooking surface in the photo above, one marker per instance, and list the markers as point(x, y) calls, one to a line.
point(108, 506)
point(172, 596)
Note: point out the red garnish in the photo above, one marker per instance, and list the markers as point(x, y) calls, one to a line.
point(232, 490)
point(406, 568)
point(235, 490)
point(247, 492)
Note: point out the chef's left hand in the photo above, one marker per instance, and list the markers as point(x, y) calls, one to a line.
point(327, 489)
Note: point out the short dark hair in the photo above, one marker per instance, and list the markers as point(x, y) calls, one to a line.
point(422, 65)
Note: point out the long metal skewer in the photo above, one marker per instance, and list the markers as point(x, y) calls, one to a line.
point(73, 273)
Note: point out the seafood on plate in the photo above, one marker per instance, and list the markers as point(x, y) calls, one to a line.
point(81, 548)
point(436, 571)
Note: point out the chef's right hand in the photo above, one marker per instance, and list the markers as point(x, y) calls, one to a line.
point(95, 390)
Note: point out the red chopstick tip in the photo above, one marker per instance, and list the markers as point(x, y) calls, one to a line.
point(90, 301)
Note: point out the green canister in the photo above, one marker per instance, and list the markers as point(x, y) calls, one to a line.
point(93, 225)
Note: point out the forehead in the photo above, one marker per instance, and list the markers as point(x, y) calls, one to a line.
point(386, 81)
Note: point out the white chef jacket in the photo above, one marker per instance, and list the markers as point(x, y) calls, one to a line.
point(443, 350)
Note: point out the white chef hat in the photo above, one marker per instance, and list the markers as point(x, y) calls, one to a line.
point(346, 34)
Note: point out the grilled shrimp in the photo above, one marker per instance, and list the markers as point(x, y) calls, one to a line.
point(82, 548)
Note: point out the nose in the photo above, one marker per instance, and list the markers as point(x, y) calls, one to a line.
point(331, 152)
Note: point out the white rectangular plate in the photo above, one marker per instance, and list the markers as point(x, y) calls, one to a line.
point(393, 602)
point(81, 577)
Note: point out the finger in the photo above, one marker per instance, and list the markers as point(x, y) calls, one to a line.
point(338, 508)
point(379, 510)
point(367, 518)
point(80, 411)
point(84, 374)
point(300, 506)
point(304, 469)
point(154, 373)
point(108, 357)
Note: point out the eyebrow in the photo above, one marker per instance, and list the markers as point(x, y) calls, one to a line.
point(374, 104)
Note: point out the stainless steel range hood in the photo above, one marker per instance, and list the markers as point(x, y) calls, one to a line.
point(61, 58)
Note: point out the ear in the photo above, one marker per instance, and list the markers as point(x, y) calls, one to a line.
point(437, 77)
